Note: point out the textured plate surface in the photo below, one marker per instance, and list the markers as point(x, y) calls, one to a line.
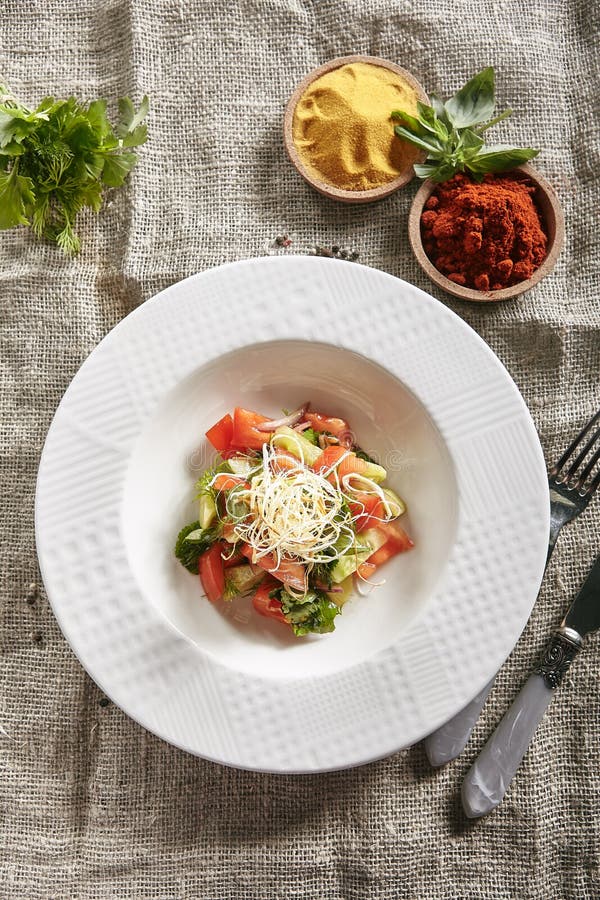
point(350, 704)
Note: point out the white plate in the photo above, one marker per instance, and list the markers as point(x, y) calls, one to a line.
point(424, 393)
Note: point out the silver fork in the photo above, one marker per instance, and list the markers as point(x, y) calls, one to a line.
point(571, 489)
point(572, 482)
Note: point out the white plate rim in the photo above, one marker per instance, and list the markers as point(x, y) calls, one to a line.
point(170, 718)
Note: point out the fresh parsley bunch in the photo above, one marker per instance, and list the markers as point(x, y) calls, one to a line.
point(55, 159)
point(450, 133)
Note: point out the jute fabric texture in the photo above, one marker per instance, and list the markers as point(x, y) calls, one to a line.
point(91, 805)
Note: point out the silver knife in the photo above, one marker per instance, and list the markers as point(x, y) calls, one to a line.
point(490, 775)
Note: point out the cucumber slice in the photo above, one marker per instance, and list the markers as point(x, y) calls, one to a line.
point(375, 473)
point(396, 503)
point(346, 565)
point(340, 598)
point(370, 541)
point(208, 511)
point(241, 580)
point(298, 446)
point(242, 465)
point(374, 538)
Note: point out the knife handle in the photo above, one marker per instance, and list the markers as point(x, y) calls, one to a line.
point(490, 775)
point(450, 740)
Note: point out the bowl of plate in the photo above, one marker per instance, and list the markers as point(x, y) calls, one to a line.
point(116, 483)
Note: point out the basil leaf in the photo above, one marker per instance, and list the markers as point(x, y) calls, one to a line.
point(470, 143)
point(426, 116)
point(439, 108)
point(409, 121)
point(430, 143)
point(444, 171)
point(441, 131)
point(474, 103)
point(425, 170)
point(500, 159)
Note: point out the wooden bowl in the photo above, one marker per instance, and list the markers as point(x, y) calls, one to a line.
point(329, 190)
point(552, 220)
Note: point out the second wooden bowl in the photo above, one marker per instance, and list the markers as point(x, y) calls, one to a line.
point(552, 220)
point(324, 187)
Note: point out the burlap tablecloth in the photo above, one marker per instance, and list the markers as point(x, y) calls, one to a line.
point(91, 805)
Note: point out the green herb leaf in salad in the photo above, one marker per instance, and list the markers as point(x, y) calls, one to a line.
point(192, 542)
point(312, 614)
point(451, 133)
point(321, 573)
point(311, 435)
point(55, 160)
point(362, 454)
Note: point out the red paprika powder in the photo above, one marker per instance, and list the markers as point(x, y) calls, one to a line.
point(485, 236)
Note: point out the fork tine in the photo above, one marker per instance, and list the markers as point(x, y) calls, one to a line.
point(581, 456)
point(593, 486)
point(589, 468)
point(573, 446)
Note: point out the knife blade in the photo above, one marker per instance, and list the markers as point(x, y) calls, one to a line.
point(584, 613)
point(488, 778)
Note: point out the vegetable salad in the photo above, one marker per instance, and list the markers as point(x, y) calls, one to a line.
point(293, 513)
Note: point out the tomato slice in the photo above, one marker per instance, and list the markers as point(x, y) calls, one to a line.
point(352, 465)
point(397, 541)
point(212, 572)
point(221, 433)
point(236, 560)
point(289, 571)
point(329, 457)
point(396, 536)
point(283, 462)
point(265, 605)
point(337, 427)
point(345, 461)
point(224, 482)
point(367, 509)
point(366, 569)
point(382, 555)
point(245, 435)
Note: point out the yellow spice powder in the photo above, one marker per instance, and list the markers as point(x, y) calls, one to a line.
point(343, 131)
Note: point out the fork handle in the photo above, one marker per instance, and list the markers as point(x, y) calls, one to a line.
point(490, 775)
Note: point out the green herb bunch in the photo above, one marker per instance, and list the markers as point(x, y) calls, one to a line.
point(55, 159)
point(450, 133)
